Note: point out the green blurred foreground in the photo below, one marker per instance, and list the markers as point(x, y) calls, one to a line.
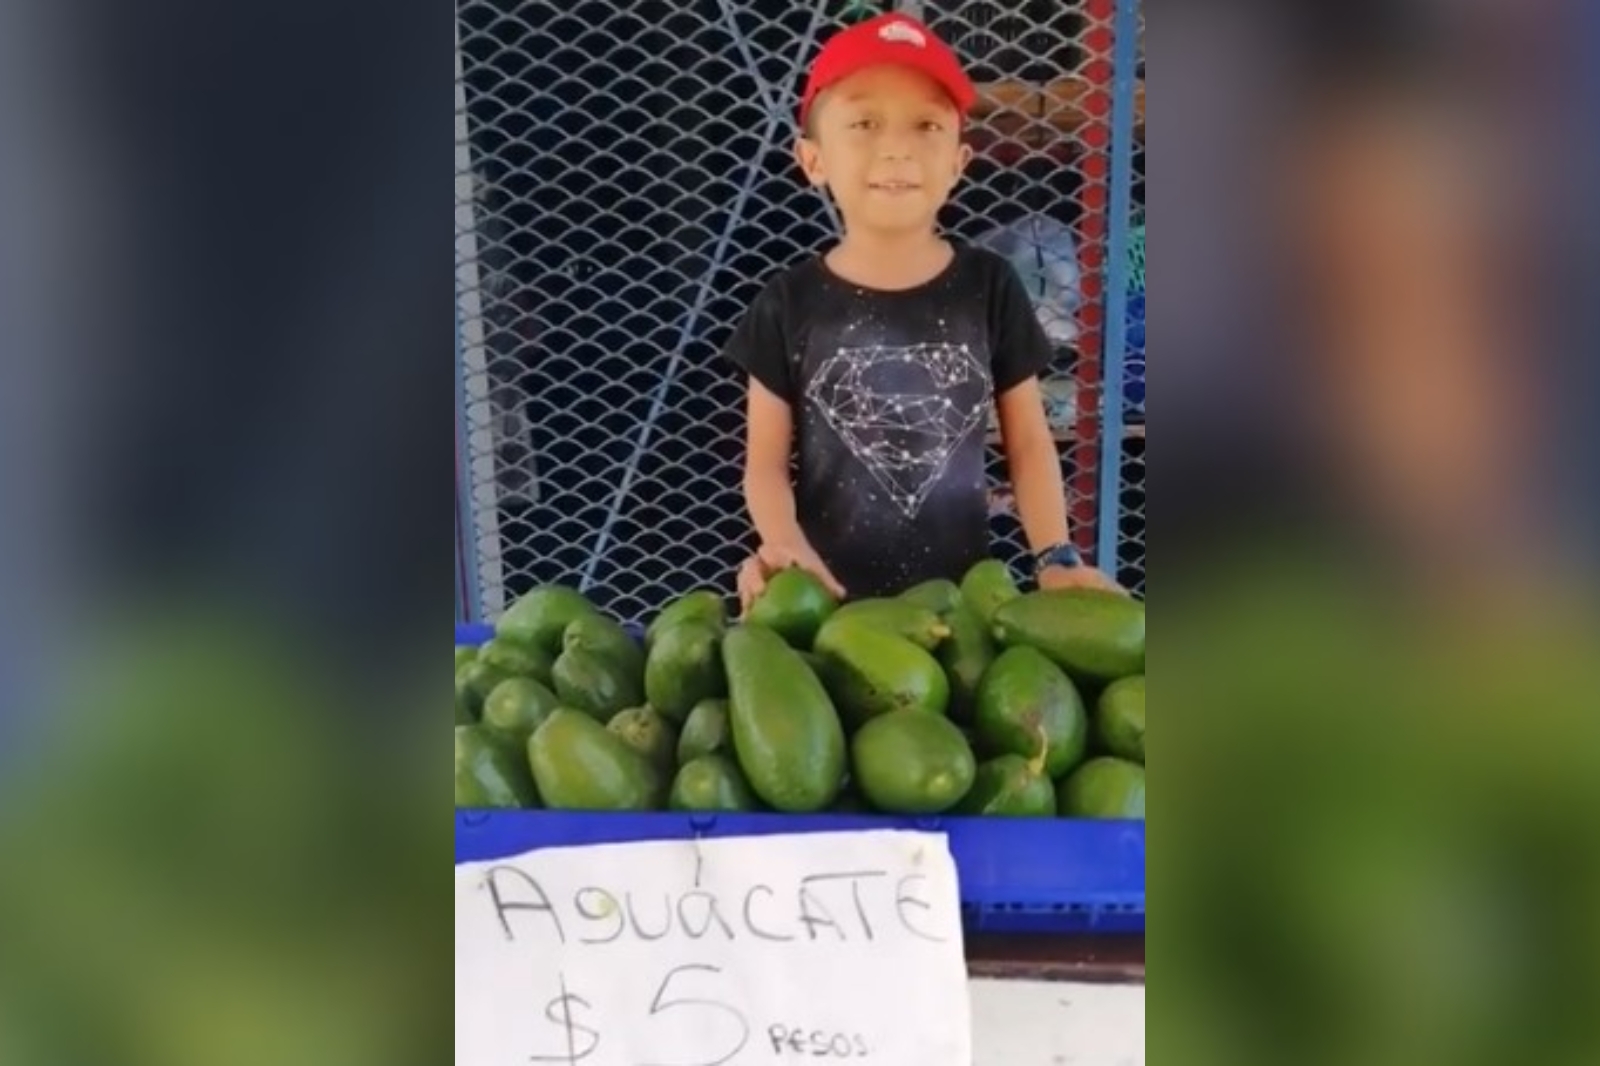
point(215, 862)
point(1379, 843)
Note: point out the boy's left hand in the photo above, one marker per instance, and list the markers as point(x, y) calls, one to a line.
point(1077, 577)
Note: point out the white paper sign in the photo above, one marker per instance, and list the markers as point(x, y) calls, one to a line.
point(809, 948)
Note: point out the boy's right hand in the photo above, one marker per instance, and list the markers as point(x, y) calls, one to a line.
point(769, 559)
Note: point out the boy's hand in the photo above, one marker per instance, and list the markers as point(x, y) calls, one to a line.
point(1077, 577)
point(771, 558)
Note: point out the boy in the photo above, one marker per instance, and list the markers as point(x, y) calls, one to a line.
point(877, 361)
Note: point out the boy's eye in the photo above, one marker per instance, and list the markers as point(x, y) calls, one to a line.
point(863, 124)
point(931, 126)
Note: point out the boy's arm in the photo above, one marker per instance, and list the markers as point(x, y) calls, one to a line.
point(1021, 352)
point(769, 492)
point(1035, 468)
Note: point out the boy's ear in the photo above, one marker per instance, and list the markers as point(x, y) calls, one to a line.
point(809, 156)
point(963, 157)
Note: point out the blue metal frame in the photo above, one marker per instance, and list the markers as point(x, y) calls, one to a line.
point(1125, 77)
point(1018, 875)
point(469, 599)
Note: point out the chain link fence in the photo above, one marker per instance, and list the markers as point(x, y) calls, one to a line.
point(624, 185)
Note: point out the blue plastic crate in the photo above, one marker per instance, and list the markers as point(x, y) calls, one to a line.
point(1017, 875)
point(473, 634)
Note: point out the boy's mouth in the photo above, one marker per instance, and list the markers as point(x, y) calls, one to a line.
point(893, 186)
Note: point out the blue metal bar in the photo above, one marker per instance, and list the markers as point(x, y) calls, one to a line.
point(466, 524)
point(1124, 82)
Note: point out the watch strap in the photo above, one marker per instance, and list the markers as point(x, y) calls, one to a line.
point(1057, 555)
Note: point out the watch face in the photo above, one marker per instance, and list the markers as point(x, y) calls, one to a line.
point(1063, 556)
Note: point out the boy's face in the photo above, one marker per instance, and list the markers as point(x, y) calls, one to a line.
point(886, 142)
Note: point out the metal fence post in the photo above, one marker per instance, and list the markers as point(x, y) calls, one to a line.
point(469, 603)
point(1125, 59)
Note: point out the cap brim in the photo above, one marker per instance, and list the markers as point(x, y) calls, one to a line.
point(959, 90)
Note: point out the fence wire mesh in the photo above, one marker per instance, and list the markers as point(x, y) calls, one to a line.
point(625, 184)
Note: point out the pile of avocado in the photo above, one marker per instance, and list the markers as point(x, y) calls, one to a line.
point(975, 699)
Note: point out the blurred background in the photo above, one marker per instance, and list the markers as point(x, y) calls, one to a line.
point(1384, 843)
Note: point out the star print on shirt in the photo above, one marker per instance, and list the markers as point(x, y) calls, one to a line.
point(902, 410)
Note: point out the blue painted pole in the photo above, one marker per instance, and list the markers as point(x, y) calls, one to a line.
point(1124, 85)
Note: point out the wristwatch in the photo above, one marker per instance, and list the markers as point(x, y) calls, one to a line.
point(1057, 555)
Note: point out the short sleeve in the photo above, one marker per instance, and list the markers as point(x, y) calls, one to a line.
point(759, 344)
point(1018, 346)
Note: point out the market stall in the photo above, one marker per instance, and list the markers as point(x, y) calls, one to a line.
point(620, 732)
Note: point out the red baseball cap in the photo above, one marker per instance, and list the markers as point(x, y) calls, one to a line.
point(891, 38)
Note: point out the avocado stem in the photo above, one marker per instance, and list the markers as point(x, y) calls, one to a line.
point(1036, 764)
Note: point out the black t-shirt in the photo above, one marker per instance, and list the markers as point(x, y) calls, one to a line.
point(891, 393)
